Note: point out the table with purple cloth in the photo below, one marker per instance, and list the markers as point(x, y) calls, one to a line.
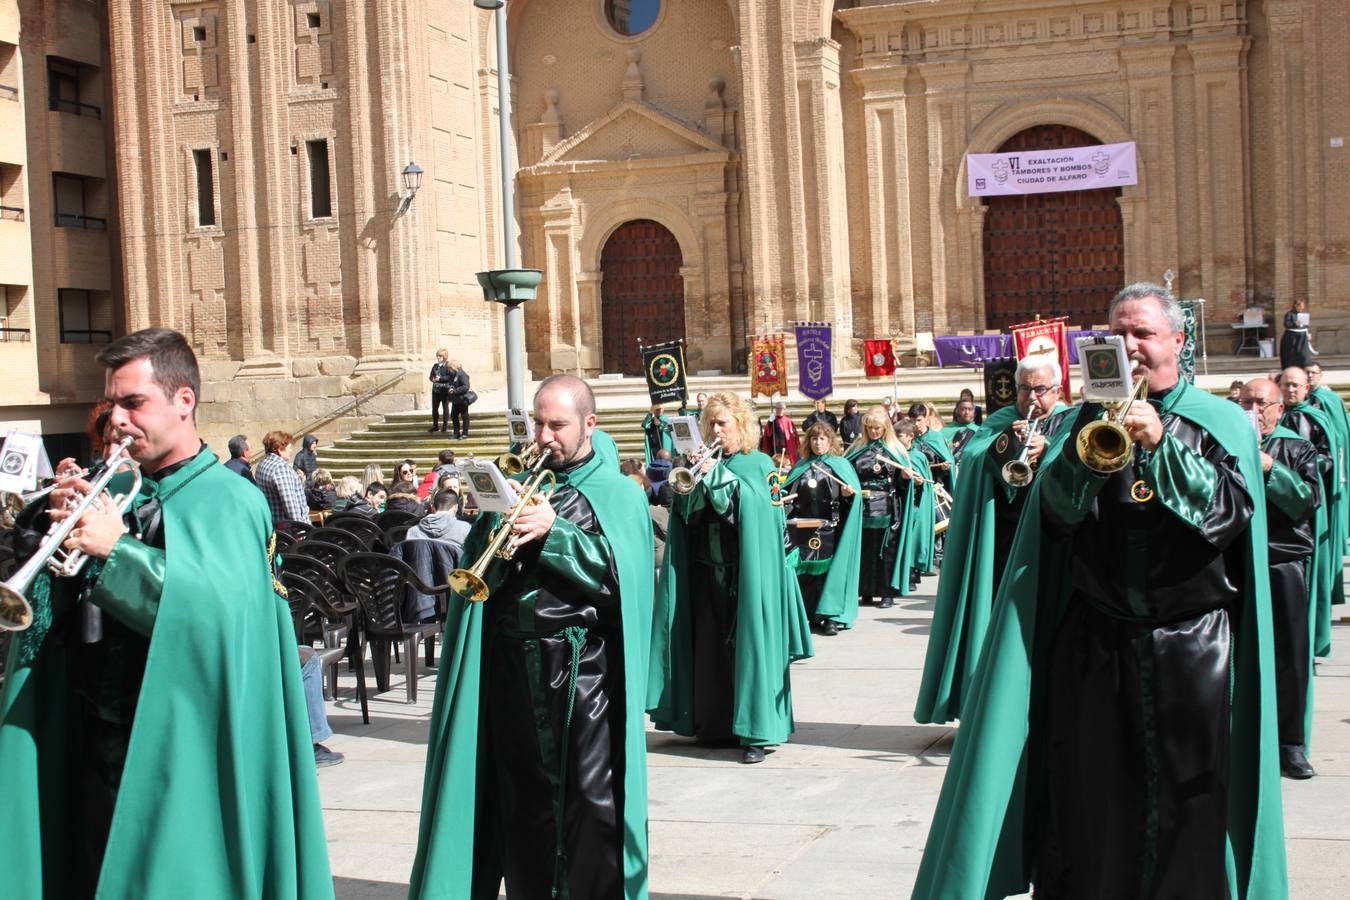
point(974, 349)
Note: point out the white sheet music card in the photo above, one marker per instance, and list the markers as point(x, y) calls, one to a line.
point(21, 459)
point(520, 426)
point(685, 433)
point(1106, 369)
point(492, 491)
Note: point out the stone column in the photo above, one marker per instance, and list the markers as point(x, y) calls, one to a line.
point(1148, 70)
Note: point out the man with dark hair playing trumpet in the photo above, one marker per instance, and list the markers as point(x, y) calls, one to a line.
point(536, 763)
point(1119, 737)
point(186, 713)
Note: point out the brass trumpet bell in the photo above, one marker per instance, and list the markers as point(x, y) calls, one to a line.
point(1017, 473)
point(1104, 446)
point(513, 464)
point(469, 586)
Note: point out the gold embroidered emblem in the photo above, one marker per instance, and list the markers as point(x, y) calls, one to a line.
point(1141, 492)
point(814, 543)
point(272, 566)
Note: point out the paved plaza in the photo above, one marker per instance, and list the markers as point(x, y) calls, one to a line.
point(840, 812)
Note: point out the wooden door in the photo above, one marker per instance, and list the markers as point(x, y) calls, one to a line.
point(1054, 254)
point(641, 292)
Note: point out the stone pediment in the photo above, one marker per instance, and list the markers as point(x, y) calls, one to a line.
point(632, 130)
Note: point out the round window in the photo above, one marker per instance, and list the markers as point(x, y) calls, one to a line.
point(631, 17)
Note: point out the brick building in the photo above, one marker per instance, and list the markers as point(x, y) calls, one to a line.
point(699, 169)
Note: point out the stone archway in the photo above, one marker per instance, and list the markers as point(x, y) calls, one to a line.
point(641, 292)
point(1056, 254)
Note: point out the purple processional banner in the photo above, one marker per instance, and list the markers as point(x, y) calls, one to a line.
point(815, 377)
point(1048, 171)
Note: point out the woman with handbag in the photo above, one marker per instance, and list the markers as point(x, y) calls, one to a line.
point(460, 398)
point(440, 391)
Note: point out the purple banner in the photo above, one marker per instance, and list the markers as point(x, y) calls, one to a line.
point(815, 375)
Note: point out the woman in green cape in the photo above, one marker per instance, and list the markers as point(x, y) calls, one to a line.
point(729, 617)
point(824, 526)
point(879, 462)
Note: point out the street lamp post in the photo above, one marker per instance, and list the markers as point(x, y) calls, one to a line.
point(515, 316)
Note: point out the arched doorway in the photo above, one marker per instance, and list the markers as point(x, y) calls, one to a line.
point(641, 292)
point(1057, 254)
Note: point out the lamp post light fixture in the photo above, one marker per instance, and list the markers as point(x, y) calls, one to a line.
point(412, 179)
point(515, 316)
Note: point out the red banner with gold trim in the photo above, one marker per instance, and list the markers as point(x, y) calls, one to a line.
point(768, 365)
point(1044, 336)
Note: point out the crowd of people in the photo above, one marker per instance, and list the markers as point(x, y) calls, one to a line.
point(1129, 601)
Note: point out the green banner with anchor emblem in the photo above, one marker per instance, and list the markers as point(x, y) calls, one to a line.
point(663, 365)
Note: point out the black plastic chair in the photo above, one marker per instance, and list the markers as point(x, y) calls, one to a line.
point(379, 583)
point(366, 529)
point(325, 552)
point(393, 517)
point(396, 533)
point(347, 540)
point(332, 601)
point(304, 598)
point(297, 530)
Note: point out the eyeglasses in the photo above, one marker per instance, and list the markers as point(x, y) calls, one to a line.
point(1253, 403)
point(1040, 390)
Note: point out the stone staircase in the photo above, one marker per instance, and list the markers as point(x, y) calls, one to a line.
point(622, 403)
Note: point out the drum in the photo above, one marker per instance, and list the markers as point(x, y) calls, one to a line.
point(942, 509)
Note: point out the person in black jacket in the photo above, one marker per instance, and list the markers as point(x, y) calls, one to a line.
point(238, 461)
point(306, 461)
point(821, 414)
point(440, 391)
point(459, 399)
point(851, 425)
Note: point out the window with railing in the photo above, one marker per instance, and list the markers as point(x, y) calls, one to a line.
point(72, 195)
point(70, 85)
point(14, 313)
point(11, 192)
point(9, 71)
point(83, 319)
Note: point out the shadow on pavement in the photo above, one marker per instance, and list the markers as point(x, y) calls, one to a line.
point(906, 740)
point(362, 889)
point(912, 626)
point(405, 731)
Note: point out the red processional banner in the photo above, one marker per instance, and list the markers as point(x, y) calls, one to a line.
point(768, 365)
point(878, 357)
point(1044, 336)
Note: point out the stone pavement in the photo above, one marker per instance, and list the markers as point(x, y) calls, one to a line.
point(842, 811)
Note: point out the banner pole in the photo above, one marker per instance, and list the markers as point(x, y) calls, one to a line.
point(1204, 347)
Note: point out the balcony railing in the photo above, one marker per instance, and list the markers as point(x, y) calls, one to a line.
point(12, 212)
point(74, 106)
point(90, 223)
point(84, 336)
point(9, 92)
point(8, 334)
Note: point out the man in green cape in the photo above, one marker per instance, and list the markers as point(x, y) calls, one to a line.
point(1317, 425)
point(153, 728)
point(729, 618)
point(536, 760)
point(824, 489)
point(1293, 482)
point(958, 432)
point(934, 445)
point(1321, 396)
point(980, 537)
point(657, 433)
point(1119, 739)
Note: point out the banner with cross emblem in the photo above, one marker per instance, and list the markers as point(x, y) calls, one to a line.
point(815, 375)
point(664, 367)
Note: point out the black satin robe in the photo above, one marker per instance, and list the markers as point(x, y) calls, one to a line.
point(525, 705)
point(1128, 796)
point(1008, 501)
point(1291, 546)
point(823, 501)
point(886, 499)
point(713, 546)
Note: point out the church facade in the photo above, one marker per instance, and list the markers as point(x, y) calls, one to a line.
point(701, 170)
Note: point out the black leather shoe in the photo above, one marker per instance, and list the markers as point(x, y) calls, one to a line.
point(752, 755)
point(886, 603)
point(829, 627)
point(1294, 762)
point(433, 429)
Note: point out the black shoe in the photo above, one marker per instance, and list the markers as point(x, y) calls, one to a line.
point(752, 755)
point(886, 603)
point(456, 437)
point(829, 627)
point(444, 429)
point(433, 429)
point(1294, 762)
point(325, 757)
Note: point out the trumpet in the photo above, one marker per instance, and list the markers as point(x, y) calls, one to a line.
point(1019, 472)
point(471, 584)
point(1105, 446)
point(513, 464)
point(684, 479)
point(15, 612)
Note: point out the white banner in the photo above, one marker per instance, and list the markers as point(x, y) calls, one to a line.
point(1048, 171)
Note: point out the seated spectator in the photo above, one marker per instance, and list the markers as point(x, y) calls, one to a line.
point(633, 465)
point(348, 486)
point(306, 461)
point(238, 462)
point(405, 470)
point(445, 465)
point(373, 474)
point(321, 493)
point(403, 498)
point(370, 504)
point(311, 676)
point(280, 483)
point(1235, 390)
point(658, 479)
point(442, 523)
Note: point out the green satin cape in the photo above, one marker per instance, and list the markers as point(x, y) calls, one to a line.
point(1327, 566)
point(921, 538)
point(968, 582)
point(938, 441)
point(904, 538)
point(219, 796)
point(975, 847)
point(839, 595)
point(443, 866)
point(771, 625)
point(1340, 420)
